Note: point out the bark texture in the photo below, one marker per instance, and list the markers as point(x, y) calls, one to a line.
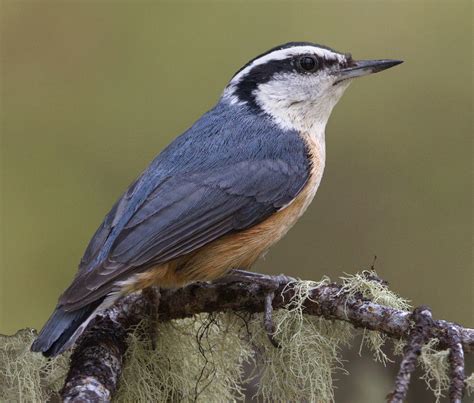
point(97, 361)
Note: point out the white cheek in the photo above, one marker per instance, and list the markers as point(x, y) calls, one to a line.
point(300, 102)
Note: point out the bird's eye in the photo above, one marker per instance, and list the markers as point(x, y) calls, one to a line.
point(308, 63)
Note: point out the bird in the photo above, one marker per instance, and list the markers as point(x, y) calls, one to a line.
point(219, 195)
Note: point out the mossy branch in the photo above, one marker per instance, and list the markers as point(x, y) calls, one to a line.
point(290, 332)
point(96, 363)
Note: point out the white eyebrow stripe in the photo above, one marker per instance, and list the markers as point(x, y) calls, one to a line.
point(285, 53)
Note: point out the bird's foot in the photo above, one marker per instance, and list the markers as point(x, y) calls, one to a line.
point(152, 295)
point(270, 284)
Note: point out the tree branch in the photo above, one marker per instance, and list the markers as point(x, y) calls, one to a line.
point(417, 337)
point(97, 361)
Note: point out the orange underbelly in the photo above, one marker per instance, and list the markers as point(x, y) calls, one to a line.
point(239, 250)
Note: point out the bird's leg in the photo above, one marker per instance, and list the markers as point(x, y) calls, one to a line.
point(268, 323)
point(270, 284)
point(152, 295)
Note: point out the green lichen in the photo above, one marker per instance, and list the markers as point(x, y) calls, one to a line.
point(378, 293)
point(470, 384)
point(302, 368)
point(28, 377)
point(203, 358)
point(435, 367)
point(200, 358)
point(195, 359)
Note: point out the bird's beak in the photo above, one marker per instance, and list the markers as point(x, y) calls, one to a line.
point(360, 68)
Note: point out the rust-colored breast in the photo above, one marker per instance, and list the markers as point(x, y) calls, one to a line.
point(242, 249)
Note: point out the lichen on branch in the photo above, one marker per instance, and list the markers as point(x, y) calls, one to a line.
point(208, 332)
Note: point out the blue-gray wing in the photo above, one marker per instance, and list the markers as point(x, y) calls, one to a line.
point(183, 213)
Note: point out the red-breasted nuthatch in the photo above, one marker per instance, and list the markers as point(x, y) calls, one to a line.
point(221, 193)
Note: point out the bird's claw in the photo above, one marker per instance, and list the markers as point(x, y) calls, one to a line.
point(269, 284)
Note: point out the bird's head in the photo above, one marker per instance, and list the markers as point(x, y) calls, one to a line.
point(298, 83)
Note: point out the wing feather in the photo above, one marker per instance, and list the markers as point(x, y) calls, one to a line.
point(182, 214)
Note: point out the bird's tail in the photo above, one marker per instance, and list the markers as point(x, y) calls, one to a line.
point(63, 328)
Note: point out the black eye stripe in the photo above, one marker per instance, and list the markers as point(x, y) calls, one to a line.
point(286, 46)
point(263, 73)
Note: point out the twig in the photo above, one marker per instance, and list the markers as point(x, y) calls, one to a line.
point(418, 336)
point(456, 366)
point(98, 358)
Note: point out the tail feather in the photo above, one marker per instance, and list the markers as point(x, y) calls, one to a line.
point(61, 329)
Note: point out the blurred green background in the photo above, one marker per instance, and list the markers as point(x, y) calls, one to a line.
point(92, 90)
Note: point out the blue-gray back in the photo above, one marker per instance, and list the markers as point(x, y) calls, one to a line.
point(230, 170)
